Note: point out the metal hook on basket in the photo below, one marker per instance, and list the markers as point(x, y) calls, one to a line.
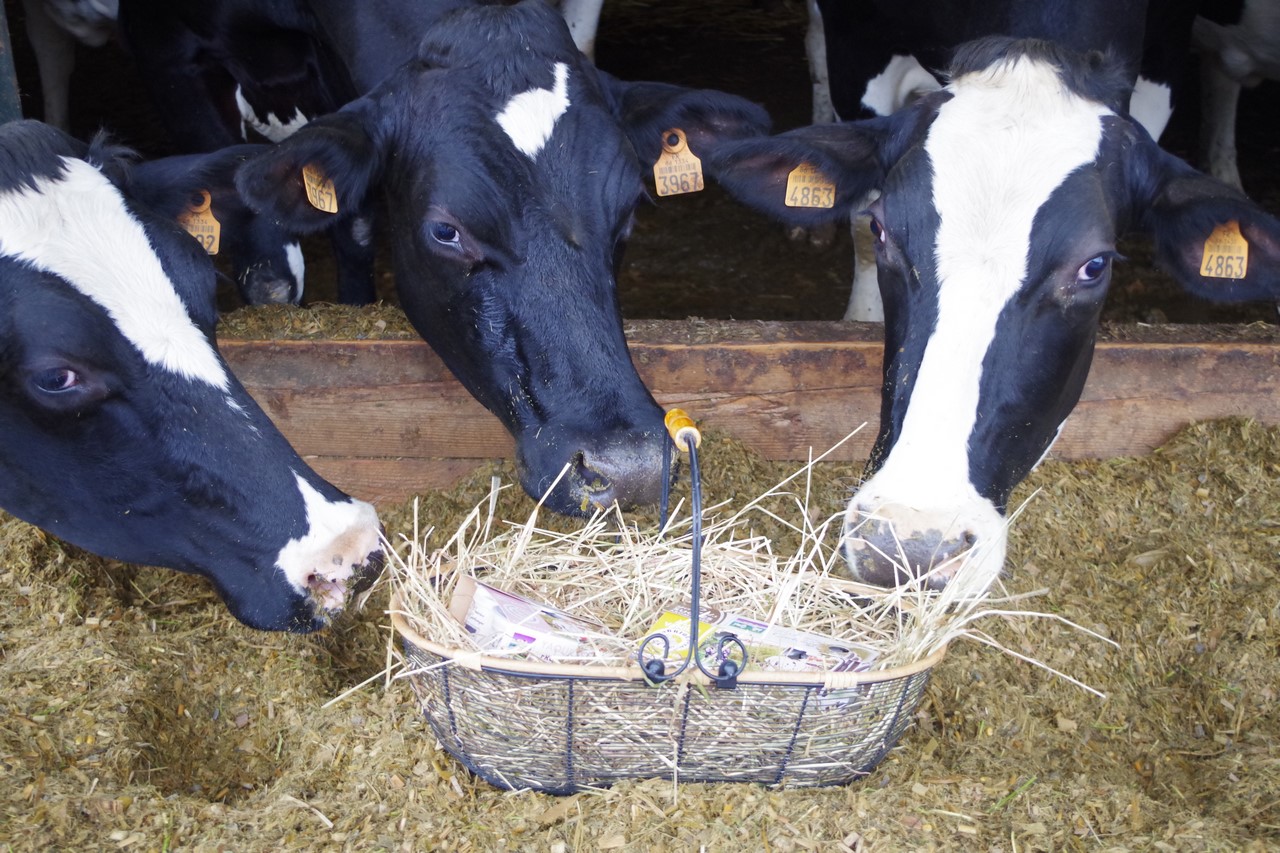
point(684, 433)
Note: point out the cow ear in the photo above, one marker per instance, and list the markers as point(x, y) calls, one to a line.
point(1217, 243)
point(335, 154)
point(707, 117)
point(844, 159)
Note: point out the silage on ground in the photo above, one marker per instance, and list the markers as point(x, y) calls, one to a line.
point(136, 713)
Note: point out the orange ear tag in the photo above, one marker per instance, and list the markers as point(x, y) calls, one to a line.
point(320, 191)
point(1226, 253)
point(807, 187)
point(201, 224)
point(677, 170)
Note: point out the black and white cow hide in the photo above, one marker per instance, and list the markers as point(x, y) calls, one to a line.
point(124, 431)
point(509, 168)
point(265, 260)
point(1001, 200)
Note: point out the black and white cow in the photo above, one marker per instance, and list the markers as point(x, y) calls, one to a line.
point(510, 169)
point(124, 431)
point(1001, 201)
point(221, 74)
point(882, 54)
point(265, 260)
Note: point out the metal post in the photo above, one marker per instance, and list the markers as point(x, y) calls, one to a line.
point(10, 106)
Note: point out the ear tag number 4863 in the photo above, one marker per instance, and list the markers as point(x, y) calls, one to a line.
point(201, 224)
point(807, 187)
point(1226, 253)
point(677, 171)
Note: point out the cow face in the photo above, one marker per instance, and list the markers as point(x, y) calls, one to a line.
point(266, 261)
point(1001, 200)
point(124, 431)
point(511, 168)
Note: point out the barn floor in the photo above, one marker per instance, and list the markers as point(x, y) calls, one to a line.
point(137, 714)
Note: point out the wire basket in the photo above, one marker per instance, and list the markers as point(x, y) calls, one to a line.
point(562, 728)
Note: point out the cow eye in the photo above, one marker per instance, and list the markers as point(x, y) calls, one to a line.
point(443, 232)
point(57, 380)
point(877, 230)
point(1092, 270)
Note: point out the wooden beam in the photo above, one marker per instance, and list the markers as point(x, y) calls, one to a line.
point(10, 102)
point(383, 419)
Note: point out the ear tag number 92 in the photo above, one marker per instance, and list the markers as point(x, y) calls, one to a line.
point(320, 191)
point(1226, 253)
point(807, 187)
point(201, 224)
point(677, 171)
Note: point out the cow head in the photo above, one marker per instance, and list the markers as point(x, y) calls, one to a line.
point(1001, 201)
point(511, 168)
point(265, 260)
point(124, 431)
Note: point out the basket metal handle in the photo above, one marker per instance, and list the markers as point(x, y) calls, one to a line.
point(729, 655)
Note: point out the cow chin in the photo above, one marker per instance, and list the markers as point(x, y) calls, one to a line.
point(576, 474)
point(286, 608)
point(892, 545)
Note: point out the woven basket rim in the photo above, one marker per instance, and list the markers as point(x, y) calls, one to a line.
point(479, 661)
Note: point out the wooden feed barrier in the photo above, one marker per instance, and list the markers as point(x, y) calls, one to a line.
point(385, 419)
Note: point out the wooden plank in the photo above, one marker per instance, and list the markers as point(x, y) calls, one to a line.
point(384, 418)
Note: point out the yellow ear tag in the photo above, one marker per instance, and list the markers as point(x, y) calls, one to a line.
point(201, 224)
point(807, 187)
point(1226, 253)
point(320, 191)
point(677, 170)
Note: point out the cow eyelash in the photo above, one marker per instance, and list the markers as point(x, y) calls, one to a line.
point(445, 234)
point(877, 228)
point(1092, 271)
point(57, 380)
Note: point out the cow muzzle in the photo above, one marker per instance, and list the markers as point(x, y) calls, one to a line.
point(892, 546)
point(622, 467)
point(264, 285)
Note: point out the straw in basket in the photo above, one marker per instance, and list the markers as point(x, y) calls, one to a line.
point(566, 727)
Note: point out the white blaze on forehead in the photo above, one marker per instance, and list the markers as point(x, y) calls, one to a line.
point(999, 148)
point(340, 537)
point(78, 228)
point(530, 117)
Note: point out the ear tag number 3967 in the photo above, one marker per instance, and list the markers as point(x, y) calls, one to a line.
point(677, 171)
point(320, 191)
point(1226, 253)
point(201, 224)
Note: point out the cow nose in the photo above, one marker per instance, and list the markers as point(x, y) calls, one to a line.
point(630, 475)
point(364, 575)
point(623, 467)
point(889, 550)
point(262, 285)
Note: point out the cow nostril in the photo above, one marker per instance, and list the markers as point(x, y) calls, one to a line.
point(591, 479)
